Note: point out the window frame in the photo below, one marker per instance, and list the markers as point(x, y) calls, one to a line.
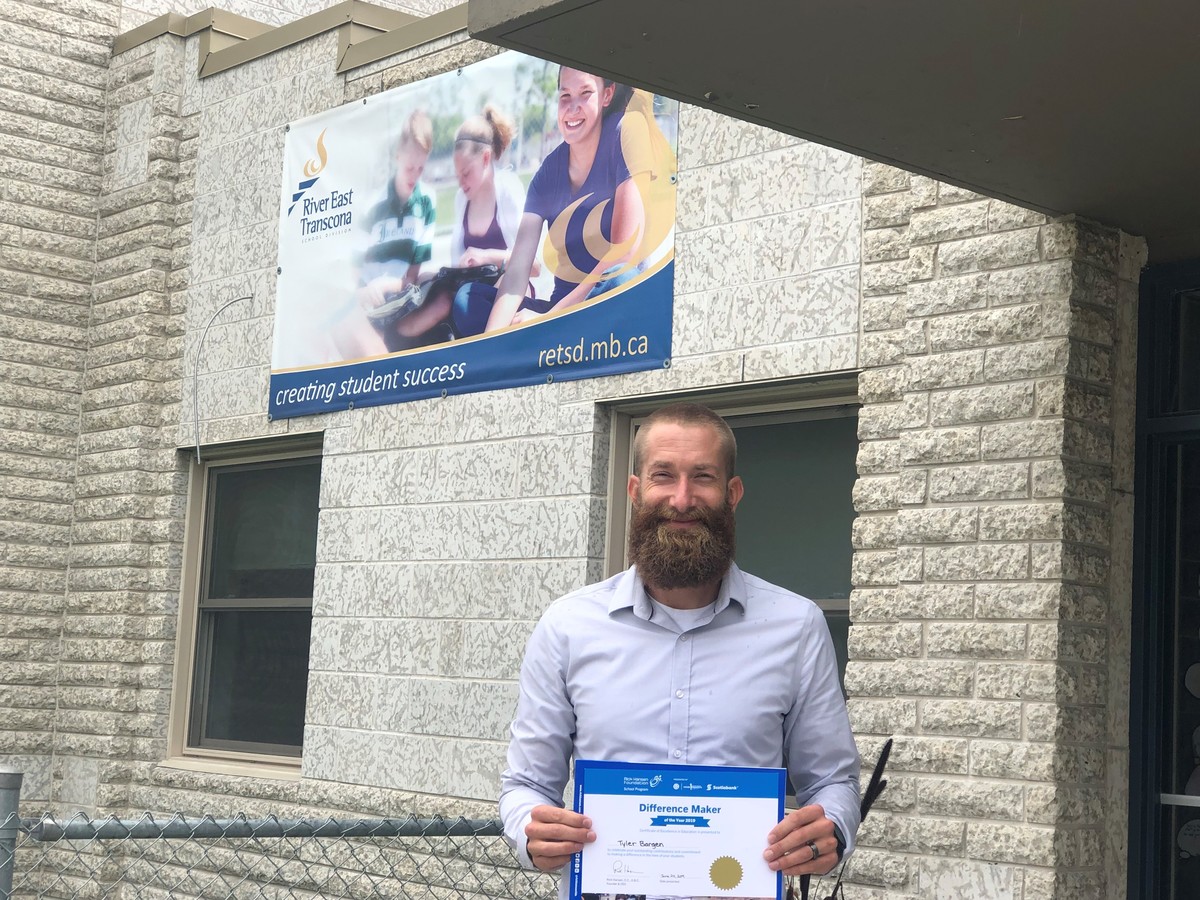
point(246, 759)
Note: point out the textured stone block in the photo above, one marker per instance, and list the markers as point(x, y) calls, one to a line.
point(940, 445)
point(1040, 521)
point(922, 262)
point(972, 718)
point(1017, 601)
point(935, 526)
point(872, 605)
point(881, 385)
point(1012, 681)
point(881, 716)
point(886, 210)
point(874, 532)
point(876, 493)
point(910, 564)
point(992, 251)
point(1027, 844)
point(942, 370)
point(982, 404)
point(986, 328)
point(881, 278)
point(880, 178)
point(1023, 440)
point(880, 420)
point(1065, 724)
point(933, 601)
point(924, 191)
point(881, 244)
point(965, 879)
point(946, 797)
point(1035, 762)
point(978, 640)
point(995, 481)
point(948, 223)
point(873, 567)
point(880, 869)
point(880, 457)
point(913, 835)
point(913, 487)
point(1069, 479)
point(879, 641)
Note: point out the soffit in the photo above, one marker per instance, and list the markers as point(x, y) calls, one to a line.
point(1076, 106)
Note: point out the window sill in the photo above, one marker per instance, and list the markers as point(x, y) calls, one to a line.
point(249, 768)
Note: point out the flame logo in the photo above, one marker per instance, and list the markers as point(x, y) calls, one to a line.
point(312, 167)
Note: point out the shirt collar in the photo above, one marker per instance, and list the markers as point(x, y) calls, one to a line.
point(630, 593)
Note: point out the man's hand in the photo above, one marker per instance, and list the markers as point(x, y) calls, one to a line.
point(788, 849)
point(554, 834)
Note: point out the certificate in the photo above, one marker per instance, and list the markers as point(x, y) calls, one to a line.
point(676, 831)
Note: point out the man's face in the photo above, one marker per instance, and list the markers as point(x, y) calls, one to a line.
point(682, 531)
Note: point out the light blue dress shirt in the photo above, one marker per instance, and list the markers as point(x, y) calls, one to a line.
point(754, 683)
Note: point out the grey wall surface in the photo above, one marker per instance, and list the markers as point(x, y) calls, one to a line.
point(992, 545)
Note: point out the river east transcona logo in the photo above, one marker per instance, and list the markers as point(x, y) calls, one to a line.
point(320, 211)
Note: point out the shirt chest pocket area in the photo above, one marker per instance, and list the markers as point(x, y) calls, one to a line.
point(740, 704)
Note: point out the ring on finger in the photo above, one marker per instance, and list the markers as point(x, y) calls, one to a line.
point(812, 846)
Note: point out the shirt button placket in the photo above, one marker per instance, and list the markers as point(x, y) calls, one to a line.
point(681, 669)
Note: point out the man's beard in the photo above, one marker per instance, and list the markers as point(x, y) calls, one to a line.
point(670, 557)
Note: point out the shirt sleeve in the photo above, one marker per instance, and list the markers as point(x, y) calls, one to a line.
point(423, 241)
point(541, 737)
point(822, 758)
point(539, 198)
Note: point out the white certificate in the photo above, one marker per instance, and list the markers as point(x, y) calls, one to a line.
point(676, 831)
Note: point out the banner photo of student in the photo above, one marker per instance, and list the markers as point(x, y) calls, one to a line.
point(506, 224)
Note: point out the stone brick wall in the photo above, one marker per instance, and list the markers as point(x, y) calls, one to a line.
point(991, 618)
point(52, 95)
point(122, 595)
point(992, 567)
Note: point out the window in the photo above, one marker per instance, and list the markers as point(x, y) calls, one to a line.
point(242, 660)
point(797, 454)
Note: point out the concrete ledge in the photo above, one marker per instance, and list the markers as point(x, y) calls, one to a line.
point(366, 33)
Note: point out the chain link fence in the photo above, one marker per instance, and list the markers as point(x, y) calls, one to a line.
point(270, 858)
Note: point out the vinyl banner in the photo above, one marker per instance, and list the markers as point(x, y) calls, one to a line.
point(509, 223)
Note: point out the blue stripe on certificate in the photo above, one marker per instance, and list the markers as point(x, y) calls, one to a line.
point(677, 831)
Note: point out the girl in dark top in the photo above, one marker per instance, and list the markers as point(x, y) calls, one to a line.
point(584, 193)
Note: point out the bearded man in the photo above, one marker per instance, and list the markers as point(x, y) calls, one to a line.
point(683, 659)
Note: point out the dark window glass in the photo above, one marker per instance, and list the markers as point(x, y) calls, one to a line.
point(794, 523)
point(1183, 370)
point(251, 672)
point(263, 530)
point(257, 677)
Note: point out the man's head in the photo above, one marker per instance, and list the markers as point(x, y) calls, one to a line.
point(684, 493)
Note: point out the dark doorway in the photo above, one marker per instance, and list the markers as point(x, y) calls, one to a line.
point(1165, 708)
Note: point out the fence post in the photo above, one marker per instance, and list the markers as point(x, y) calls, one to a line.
point(10, 819)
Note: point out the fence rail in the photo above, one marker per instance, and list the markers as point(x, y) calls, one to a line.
point(211, 858)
